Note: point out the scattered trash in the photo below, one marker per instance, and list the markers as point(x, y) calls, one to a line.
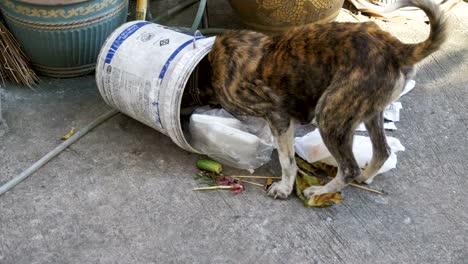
point(210, 174)
point(245, 144)
point(311, 148)
point(209, 165)
point(304, 181)
point(69, 134)
point(268, 180)
point(257, 177)
point(253, 183)
point(327, 171)
point(237, 188)
point(323, 200)
point(268, 183)
point(317, 173)
point(316, 168)
point(392, 112)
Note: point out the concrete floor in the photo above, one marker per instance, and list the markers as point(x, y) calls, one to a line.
point(122, 194)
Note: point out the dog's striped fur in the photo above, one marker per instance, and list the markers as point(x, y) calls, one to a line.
point(340, 73)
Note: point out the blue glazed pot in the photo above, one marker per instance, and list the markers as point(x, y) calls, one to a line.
point(63, 38)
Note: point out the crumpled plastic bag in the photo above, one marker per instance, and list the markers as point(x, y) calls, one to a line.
point(312, 149)
point(244, 144)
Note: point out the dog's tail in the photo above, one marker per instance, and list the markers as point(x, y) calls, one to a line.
point(413, 53)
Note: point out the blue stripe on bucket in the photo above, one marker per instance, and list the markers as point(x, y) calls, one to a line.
point(121, 38)
point(174, 54)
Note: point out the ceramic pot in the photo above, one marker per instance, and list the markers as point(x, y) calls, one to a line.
point(63, 37)
point(279, 15)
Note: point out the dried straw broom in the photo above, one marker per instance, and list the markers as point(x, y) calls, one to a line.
point(14, 65)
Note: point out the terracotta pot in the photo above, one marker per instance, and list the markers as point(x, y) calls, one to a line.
point(63, 37)
point(279, 15)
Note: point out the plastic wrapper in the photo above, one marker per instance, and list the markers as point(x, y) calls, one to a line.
point(244, 144)
point(311, 148)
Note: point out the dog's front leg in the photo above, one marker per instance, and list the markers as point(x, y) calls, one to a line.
point(284, 139)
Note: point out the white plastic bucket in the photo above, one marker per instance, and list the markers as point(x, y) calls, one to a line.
point(142, 71)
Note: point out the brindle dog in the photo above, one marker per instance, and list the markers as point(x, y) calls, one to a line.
point(340, 73)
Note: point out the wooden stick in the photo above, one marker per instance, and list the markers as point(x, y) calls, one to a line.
point(351, 184)
point(365, 188)
point(253, 183)
point(217, 187)
point(256, 177)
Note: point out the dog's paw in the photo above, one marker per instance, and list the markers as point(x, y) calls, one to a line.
point(365, 179)
point(369, 180)
point(360, 179)
point(279, 190)
point(315, 190)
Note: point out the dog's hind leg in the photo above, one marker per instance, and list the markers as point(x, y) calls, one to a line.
point(283, 132)
point(338, 114)
point(340, 146)
point(380, 148)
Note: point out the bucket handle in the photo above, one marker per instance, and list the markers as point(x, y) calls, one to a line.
point(195, 35)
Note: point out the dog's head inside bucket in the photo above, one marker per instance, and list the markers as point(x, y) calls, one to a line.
point(198, 93)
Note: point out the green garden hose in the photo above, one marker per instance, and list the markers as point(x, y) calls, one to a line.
point(29, 171)
point(49, 156)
